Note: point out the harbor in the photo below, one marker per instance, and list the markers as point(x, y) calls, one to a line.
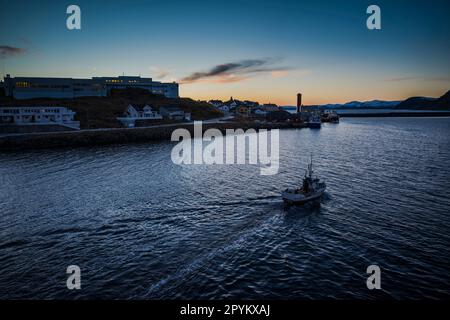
point(142, 227)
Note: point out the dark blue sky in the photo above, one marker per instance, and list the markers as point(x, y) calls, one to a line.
point(321, 48)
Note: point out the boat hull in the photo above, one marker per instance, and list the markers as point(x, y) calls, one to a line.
point(314, 125)
point(298, 198)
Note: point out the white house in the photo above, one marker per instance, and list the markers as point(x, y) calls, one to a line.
point(233, 104)
point(224, 108)
point(259, 112)
point(38, 115)
point(138, 112)
point(216, 103)
point(220, 105)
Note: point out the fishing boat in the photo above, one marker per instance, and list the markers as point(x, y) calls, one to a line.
point(330, 116)
point(312, 188)
point(314, 121)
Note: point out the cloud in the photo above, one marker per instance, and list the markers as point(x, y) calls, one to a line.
point(279, 73)
point(438, 78)
point(400, 79)
point(160, 73)
point(8, 51)
point(237, 71)
point(443, 78)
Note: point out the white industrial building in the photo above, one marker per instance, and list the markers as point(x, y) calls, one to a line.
point(34, 87)
point(168, 89)
point(38, 115)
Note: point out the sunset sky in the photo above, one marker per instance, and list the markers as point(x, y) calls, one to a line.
point(258, 50)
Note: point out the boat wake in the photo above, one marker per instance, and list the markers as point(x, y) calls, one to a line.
point(157, 289)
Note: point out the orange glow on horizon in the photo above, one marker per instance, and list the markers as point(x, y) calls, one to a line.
point(288, 97)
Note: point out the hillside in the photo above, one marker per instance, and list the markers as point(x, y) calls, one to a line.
point(101, 112)
point(417, 103)
point(442, 103)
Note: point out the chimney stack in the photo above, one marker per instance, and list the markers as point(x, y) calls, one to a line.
point(299, 102)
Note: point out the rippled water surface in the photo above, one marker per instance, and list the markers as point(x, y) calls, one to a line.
point(141, 227)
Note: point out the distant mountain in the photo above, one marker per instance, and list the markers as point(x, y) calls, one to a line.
point(362, 104)
point(418, 103)
point(442, 103)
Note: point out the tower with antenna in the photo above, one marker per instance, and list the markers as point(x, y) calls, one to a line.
point(299, 103)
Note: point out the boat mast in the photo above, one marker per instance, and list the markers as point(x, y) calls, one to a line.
point(310, 170)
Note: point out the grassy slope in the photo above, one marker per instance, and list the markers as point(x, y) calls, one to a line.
point(101, 112)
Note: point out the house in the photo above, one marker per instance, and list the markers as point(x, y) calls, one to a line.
point(232, 103)
point(224, 108)
point(269, 107)
point(174, 113)
point(141, 113)
point(251, 104)
point(216, 103)
point(259, 112)
point(38, 118)
point(243, 111)
point(220, 105)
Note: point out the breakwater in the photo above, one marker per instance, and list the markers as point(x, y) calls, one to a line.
point(71, 139)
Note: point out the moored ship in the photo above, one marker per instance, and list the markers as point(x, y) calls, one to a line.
point(330, 116)
point(314, 121)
